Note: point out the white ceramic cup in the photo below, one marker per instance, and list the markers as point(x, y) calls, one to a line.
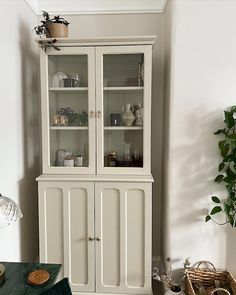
point(69, 162)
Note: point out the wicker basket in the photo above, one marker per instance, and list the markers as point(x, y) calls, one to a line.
point(209, 278)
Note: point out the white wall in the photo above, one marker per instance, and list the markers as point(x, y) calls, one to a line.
point(19, 128)
point(202, 84)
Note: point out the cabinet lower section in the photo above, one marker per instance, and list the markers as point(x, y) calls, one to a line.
point(100, 232)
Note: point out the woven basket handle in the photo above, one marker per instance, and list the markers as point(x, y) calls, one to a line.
point(219, 289)
point(204, 262)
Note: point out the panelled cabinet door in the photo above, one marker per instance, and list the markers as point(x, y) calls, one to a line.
point(68, 110)
point(123, 237)
point(123, 105)
point(67, 230)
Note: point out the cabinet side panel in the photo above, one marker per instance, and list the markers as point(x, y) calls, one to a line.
point(78, 201)
point(135, 223)
point(110, 237)
point(54, 225)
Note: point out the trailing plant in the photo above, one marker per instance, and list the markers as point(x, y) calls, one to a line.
point(43, 28)
point(227, 169)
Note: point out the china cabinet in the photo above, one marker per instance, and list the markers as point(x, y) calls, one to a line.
point(95, 193)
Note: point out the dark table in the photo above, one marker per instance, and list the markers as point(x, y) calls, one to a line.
point(16, 278)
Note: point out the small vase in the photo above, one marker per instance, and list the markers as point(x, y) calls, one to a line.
point(128, 116)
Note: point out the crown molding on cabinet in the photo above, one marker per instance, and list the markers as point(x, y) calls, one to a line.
point(97, 6)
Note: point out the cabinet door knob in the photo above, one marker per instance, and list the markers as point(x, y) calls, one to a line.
point(98, 238)
point(91, 238)
point(91, 114)
point(99, 114)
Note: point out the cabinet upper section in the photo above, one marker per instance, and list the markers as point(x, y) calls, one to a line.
point(96, 106)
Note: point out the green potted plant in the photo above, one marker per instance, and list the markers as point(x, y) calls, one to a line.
point(56, 27)
point(227, 170)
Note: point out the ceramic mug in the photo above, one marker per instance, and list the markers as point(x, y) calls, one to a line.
point(69, 82)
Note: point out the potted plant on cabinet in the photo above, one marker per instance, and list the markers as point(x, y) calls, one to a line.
point(227, 169)
point(56, 27)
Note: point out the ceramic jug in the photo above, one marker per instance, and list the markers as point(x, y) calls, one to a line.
point(128, 116)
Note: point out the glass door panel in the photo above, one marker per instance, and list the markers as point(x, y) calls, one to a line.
point(69, 104)
point(123, 85)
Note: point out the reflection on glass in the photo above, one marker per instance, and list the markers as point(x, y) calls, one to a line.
point(123, 70)
point(67, 71)
point(68, 110)
point(69, 148)
point(123, 148)
point(123, 80)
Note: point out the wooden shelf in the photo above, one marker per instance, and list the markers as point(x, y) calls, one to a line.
point(118, 128)
point(124, 88)
point(68, 127)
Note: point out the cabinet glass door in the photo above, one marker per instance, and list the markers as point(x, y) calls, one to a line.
point(124, 94)
point(70, 109)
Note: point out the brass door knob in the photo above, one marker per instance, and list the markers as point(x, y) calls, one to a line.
point(91, 238)
point(98, 238)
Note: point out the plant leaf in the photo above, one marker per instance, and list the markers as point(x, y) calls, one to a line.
point(231, 220)
point(229, 158)
point(219, 178)
point(208, 217)
point(223, 148)
point(232, 136)
point(229, 180)
point(215, 199)
point(233, 109)
point(229, 119)
point(221, 144)
point(219, 131)
point(215, 210)
point(230, 173)
point(221, 166)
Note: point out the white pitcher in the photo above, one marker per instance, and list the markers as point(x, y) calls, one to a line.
point(128, 116)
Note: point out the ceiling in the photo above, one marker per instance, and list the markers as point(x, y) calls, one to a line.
point(97, 6)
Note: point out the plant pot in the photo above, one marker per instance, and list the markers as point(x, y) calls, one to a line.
point(57, 30)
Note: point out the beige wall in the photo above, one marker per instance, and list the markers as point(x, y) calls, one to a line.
point(19, 128)
point(135, 25)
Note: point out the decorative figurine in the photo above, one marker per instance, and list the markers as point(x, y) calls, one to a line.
point(138, 114)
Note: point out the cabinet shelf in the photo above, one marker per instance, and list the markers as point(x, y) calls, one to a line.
point(68, 89)
point(132, 88)
point(117, 128)
point(69, 127)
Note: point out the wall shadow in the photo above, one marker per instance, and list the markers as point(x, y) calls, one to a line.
point(31, 145)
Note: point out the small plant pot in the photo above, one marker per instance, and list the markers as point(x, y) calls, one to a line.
point(57, 30)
